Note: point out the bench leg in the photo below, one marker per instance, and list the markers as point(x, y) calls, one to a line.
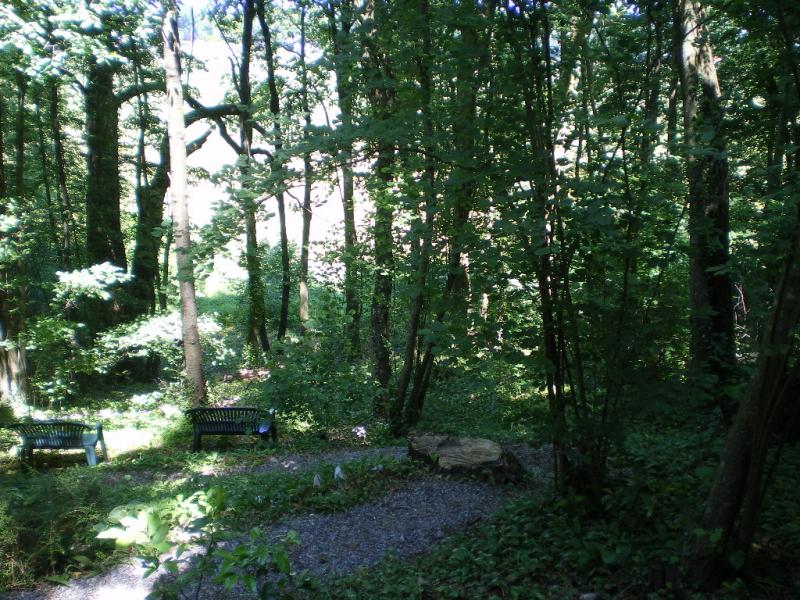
point(273, 431)
point(91, 456)
point(196, 443)
point(103, 450)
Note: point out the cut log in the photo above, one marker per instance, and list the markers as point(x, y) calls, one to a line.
point(465, 456)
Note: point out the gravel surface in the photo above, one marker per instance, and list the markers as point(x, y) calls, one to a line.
point(404, 523)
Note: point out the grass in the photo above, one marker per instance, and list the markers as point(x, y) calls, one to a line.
point(148, 440)
point(534, 549)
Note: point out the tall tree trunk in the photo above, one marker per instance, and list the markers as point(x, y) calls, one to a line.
point(384, 268)
point(69, 255)
point(3, 188)
point(104, 241)
point(712, 334)
point(307, 178)
point(163, 280)
point(6, 379)
point(192, 351)
point(277, 166)
point(736, 496)
point(537, 236)
point(460, 193)
point(257, 315)
point(13, 287)
point(48, 194)
point(144, 264)
point(381, 95)
point(149, 288)
point(400, 413)
point(340, 37)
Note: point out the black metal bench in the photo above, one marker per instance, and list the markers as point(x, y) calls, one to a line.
point(232, 421)
point(60, 435)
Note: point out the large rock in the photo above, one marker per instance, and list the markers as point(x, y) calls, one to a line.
point(465, 455)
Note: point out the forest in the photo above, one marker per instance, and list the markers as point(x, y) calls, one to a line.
point(565, 229)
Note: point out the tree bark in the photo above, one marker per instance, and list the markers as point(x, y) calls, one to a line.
point(340, 37)
point(402, 415)
point(733, 503)
point(48, 193)
point(3, 187)
point(150, 203)
point(13, 287)
point(381, 96)
point(712, 333)
point(192, 351)
point(104, 241)
point(257, 313)
point(307, 178)
point(277, 166)
point(69, 255)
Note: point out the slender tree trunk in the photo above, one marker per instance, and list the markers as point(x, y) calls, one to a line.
point(257, 314)
point(307, 178)
point(672, 111)
point(384, 267)
point(737, 495)
point(712, 343)
point(381, 95)
point(69, 256)
point(3, 188)
point(780, 137)
point(414, 410)
point(13, 287)
point(7, 385)
point(48, 193)
point(461, 190)
point(163, 285)
point(735, 498)
point(340, 36)
point(538, 241)
point(192, 351)
point(277, 165)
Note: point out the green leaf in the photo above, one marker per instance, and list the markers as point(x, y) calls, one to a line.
point(281, 561)
point(736, 559)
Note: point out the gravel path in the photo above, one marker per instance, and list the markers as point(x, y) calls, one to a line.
point(404, 523)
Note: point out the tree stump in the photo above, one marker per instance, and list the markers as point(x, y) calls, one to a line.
point(465, 456)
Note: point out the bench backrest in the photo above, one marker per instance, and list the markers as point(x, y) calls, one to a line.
point(52, 434)
point(225, 414)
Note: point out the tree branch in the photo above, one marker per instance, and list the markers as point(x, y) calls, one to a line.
point(131, 92)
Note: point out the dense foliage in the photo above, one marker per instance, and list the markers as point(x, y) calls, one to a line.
point(570, 223)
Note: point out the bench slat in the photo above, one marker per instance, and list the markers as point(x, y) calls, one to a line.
point(59, 435)
point(231, 420)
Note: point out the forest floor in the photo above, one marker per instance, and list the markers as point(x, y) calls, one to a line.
point(414, 515)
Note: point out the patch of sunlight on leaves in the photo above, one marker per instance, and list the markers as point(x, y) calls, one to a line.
point(93, 282)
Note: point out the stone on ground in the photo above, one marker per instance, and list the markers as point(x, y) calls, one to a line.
point(462, 455)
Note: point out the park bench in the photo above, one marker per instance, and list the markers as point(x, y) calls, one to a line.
point(60, 435)
point(232, 421)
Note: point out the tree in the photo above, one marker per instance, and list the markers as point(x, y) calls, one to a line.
point(192, 351)
point(343, 59)
point(713, 344)
point(381, 97)
point(307, 174)
point(277, 168)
